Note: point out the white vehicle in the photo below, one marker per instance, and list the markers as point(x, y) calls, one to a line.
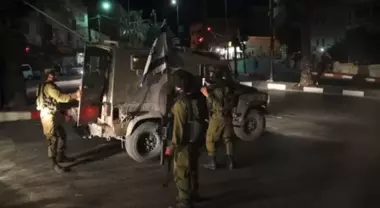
point(27, 71)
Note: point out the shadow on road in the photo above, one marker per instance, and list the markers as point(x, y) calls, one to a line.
point(11, 198)
point(97, 153)
point(283, 169)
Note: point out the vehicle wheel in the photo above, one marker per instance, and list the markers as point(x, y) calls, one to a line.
point(144, 143)
point(253, 126)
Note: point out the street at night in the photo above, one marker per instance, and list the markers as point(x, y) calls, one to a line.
point(108, 103)
point(318, 151)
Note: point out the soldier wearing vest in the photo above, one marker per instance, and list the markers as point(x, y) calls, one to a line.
point(184, 146)
point(48, 98)
point(220, 121)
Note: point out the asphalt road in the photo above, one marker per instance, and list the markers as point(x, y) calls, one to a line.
point(320, 151)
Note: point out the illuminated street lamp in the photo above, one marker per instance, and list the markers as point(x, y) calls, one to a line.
point(175, 3)
point(106, 5)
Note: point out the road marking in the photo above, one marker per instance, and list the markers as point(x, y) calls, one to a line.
point(370, 79)
point(313, 89)
point(353, 93)
point(274, 86)
point(346, 77)
point(249, 84)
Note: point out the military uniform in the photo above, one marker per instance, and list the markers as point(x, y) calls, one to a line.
point(51, 121)
point(220, 126)
point(185, 148)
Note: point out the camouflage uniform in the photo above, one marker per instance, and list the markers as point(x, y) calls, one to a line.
point(51, 120)
point(185, 156)
point(220, 126)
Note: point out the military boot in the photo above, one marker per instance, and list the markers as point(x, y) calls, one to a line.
point(230, 162)
point(57, 168)
point(62, 158)
point(211, 165)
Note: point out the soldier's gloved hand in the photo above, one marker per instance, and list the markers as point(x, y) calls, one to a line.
point(169, 151)
point(67, 116)
point(78, 94)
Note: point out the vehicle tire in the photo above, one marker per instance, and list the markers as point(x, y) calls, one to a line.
point(253, 126)
point(144, 143)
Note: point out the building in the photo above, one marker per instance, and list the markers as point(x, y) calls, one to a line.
point(330, 23)
point(327, 26)
point(57, 45)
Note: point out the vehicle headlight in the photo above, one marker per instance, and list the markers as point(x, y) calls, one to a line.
point(81, 71)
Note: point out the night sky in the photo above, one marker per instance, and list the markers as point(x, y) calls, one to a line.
point(192, 10)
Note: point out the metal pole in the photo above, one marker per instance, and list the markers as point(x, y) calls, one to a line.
point(271, 20)
point(99, 29)
point(225, 15)
point(128, 7)
point(236, 62)
point(178, 19)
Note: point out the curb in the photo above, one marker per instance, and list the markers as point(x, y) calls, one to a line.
point(19, 116)
point(346, 77)
point(331, 90)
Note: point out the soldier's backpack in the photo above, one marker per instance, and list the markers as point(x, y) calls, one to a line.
point(193, 125)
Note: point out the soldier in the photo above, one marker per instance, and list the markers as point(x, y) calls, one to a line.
point(218, 96)
point(48, 98)
point(183, 143)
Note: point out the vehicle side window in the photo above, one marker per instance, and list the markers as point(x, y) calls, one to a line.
point(24, 68)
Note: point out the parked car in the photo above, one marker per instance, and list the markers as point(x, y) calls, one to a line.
point(27, 71)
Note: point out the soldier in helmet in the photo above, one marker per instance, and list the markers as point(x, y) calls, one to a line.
point(219, 102)
point(48, 98)
point(183, 143)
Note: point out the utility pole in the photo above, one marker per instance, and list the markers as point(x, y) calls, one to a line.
point(226, 15)
point(271, 25)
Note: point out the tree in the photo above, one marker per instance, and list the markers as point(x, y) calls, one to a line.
point(134, 29)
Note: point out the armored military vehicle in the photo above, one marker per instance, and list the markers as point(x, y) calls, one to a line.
point(115, 106)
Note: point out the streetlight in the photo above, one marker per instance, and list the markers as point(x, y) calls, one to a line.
point(175, 3)
point(106, 5)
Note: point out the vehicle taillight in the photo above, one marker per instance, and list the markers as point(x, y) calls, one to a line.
point(90, 113)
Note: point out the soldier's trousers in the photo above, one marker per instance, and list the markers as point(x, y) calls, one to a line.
point(219, 128)
point(54, 132)
point(185, 171)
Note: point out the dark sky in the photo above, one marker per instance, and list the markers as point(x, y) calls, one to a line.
point(192, 10)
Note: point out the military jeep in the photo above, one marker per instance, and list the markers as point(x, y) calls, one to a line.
point(115, 106)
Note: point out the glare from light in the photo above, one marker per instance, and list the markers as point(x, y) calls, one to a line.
point(106, 5)
point(322, 49)
point(174, 2)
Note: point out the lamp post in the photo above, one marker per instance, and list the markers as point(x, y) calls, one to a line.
point(175, 3)
point(225, 15)
point(105, 6)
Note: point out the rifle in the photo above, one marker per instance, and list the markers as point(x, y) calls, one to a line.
point(166, 136)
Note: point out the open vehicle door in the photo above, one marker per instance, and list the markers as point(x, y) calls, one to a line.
point(95, 82)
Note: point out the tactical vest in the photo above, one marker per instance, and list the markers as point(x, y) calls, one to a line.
point(228, 103)
point(44, 102)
